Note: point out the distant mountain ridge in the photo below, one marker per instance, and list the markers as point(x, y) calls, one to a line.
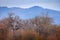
point(29, 12)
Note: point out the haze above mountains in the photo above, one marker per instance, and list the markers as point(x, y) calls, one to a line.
point(30, 12)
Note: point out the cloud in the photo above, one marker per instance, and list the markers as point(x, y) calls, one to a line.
point(51, 4)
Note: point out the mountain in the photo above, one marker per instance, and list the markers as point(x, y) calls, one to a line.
point(29, 12)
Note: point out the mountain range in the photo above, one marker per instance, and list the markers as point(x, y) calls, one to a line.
point(30, 12)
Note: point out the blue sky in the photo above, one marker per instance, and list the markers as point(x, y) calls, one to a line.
point(50, 4)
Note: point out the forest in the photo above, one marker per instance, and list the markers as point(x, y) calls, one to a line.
point(37, 28)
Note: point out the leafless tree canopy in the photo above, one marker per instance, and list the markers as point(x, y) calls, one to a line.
point(38, 28)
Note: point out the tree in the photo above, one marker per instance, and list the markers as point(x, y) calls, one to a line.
point(3, 32)
point(58, 32)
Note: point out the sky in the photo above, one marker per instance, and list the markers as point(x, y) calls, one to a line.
point(50, 4)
